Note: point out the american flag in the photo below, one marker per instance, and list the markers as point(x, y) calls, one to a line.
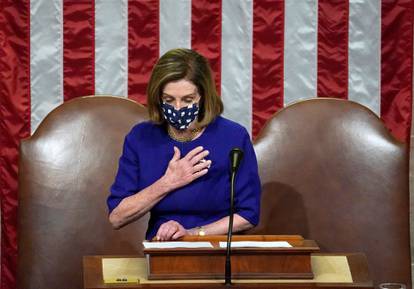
point(265, 54)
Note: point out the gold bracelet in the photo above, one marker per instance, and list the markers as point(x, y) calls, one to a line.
point(201, 231)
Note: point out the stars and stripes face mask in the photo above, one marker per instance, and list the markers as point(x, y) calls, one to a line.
point(181, 118)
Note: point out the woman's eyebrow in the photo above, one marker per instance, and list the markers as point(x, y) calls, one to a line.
point(188, 95)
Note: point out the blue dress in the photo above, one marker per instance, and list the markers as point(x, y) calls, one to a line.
point(146, 153)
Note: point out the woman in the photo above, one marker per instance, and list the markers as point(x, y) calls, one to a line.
point(177, 165)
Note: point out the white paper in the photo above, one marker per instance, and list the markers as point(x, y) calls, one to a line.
point(257, 244)
point(164, 245)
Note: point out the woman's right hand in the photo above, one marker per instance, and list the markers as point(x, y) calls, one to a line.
point(182, 171)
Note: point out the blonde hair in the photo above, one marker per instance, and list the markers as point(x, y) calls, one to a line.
point(187, 64)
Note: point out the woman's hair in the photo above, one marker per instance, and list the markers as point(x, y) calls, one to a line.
point(187, 64)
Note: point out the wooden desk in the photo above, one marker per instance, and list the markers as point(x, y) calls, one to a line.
point(292, 262)
point(92, 275)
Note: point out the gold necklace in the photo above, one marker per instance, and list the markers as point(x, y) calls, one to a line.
point(192, 135)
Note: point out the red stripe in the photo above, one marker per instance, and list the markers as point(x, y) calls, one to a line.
point(396, 66)
point(143, 45)
point(78, 48)
point(14, 122)
point(268, 43)
point(206, 33)
point(332, 73)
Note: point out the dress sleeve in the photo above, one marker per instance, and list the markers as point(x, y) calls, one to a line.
point(248, 187)
point(127, 178)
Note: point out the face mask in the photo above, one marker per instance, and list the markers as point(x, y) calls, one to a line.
point(181, 118)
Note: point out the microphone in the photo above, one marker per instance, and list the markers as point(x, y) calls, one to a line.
point(236, 155)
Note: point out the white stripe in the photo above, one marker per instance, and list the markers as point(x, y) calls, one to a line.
point(300, 50)
point(111, 47)
point(175, 24)
point(236, 61)
point(125, 17)
point(364, 53)
point(46, 61)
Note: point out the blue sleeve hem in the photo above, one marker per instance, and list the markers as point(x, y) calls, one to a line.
point(252, 218)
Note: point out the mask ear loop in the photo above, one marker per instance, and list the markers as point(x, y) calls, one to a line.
point(200, 109)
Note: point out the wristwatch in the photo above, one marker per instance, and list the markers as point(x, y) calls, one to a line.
point(201, 231)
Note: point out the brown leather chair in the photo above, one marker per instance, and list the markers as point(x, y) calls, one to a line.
point(66, 168)
point(331, 172)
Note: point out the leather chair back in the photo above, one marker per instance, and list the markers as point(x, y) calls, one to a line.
point(331, 172)
point(66, 169)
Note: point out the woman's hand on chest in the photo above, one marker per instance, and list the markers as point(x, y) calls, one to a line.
point(182, 171)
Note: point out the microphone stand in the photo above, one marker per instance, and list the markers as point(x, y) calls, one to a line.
point(236, 156)
point(227, 273)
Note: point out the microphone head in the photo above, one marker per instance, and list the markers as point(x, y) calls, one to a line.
point(236, 155)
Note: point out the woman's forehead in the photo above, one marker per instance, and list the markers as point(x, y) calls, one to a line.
point(180, 88)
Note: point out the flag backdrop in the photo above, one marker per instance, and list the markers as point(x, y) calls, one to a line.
point(265, 54)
